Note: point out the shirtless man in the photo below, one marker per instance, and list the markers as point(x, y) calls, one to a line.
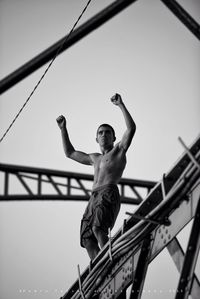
point(104, 204)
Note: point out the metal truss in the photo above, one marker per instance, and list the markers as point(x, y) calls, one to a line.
point(82, 31)
point(124, 260)
point(30, 183)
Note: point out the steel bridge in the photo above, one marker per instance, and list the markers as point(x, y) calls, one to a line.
point(168, 206)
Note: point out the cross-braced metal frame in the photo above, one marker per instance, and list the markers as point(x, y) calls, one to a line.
point(168, 207)
point(31, 183)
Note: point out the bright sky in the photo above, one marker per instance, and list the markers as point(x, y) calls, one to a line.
point(148, 56)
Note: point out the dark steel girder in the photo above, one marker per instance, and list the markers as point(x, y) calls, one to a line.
point(48, 54)
point(187, 272)
point(183, 16)
point(141, 269)
point(178, 256)
point(35, 184)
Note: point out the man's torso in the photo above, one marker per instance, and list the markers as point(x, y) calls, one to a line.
point(108, 168)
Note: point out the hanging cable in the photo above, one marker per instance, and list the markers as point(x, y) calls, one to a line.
point(45, 72)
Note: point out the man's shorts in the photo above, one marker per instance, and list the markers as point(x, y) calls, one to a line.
point(101, 211)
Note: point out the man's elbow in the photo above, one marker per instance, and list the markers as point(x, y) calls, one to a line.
point(132, 130)
point(69, 153)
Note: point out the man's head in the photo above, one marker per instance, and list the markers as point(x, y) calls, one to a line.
point(105, 135)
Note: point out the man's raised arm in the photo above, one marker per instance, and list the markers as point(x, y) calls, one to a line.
point(69, 150)
point(130, 124)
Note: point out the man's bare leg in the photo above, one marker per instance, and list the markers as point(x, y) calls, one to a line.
point(92, 248)
point(100, 235)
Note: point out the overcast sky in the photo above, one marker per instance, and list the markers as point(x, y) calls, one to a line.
point(148, 56)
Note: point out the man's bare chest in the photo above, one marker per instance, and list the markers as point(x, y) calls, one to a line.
point(111, 161)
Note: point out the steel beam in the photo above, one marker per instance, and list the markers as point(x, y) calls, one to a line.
point(183, 16)
point(187, 273)
point(179, 218)
point(48, 54)
point(141, 270)
point(178, 256)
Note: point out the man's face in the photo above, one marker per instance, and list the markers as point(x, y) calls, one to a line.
point(105, 136)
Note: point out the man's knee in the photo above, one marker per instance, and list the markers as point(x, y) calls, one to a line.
point(86, 243)
point(98, 231)
point(89, 243)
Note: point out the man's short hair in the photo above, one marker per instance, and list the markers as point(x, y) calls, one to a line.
point(109, 126)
